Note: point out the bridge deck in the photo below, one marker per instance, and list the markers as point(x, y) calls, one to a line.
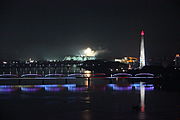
point(65, 80)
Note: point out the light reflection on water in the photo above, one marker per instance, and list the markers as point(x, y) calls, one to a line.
point(86, 115)
point(30, 89)
point(87, 86)
point(116, 103)
point(142, 116)
point(72, 87)
point(131, 87)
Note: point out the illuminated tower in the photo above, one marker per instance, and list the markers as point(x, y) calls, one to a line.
point(142, 51)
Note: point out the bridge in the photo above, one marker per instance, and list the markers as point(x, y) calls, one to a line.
point(73, 78)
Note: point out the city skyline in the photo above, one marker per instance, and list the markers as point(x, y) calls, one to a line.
point(42, 29)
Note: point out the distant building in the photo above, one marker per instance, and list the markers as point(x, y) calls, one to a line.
point(104, 66)
point(131, 61)
point(86, 54)
point(30, 61)
point(177, 60)
point(78, 58)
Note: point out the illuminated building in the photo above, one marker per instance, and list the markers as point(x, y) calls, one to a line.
point(127, 60)
point(142, 51)
point(88, 54)
point(30, 61)
point(177, 60)
point(79, 58)
point(131, 61)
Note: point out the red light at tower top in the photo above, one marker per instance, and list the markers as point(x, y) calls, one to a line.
point(142, 32)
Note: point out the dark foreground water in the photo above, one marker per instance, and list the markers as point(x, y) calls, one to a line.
point(87, 102)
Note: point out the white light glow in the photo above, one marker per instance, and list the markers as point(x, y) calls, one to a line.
point(142, 96)
point(87, 73)
point(89, 52)
point(4, 62)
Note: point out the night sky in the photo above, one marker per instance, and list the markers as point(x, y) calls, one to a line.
point(43, 29)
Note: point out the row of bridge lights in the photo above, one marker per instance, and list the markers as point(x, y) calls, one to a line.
point(50, 71)
point(38, 65)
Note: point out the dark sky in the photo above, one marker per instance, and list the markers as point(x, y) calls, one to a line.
point(44, 29)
